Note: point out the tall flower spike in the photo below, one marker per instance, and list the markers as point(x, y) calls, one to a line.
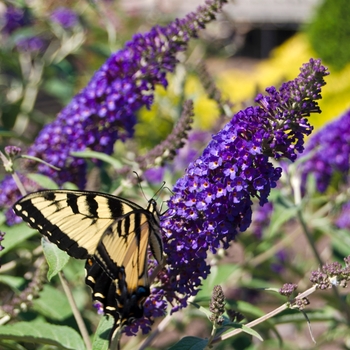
point(105, 110)
point(212, 201)
point(166, 150)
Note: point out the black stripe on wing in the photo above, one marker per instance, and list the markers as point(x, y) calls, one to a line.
point(74, 220)
point(37, 220)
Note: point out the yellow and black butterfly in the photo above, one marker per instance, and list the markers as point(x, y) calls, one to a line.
point(112, 233)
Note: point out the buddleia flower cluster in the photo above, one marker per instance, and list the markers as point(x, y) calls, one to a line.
point(105, 110)
point(212, 202)
point(331, 274)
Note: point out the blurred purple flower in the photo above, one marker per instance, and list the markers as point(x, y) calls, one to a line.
point(188, 153)
point(328, 152)
point(185, 155)
point(261, 219)
point(279, 265)
point(343, 220)
point(30, 44)
point(15, 18)
point(65, 17)
point(9, 194)
point(154, 175)
point(212, 201)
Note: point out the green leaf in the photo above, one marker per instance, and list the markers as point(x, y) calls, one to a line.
point(247, 308)
point(340, 240)
point(281, 214)
point(15, 235)
point(9, 113)
point(202, 309)
point(53, 304)
point(97, 155)
point(43, 181)
point(12, 281)
point(56, 258)
point(7, 133)
point(190, 343)
point(252, 332)
point(69, 186)
point(218, 275)
point(55, 87)
point(10, 345)
point(62, 337)
point(100, 341)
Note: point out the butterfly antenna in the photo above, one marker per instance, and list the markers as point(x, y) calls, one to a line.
point(156, 194)
point(139, 183)
point(159, 190)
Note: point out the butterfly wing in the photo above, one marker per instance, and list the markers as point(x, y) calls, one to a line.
point(74, 220)
point(111, 232)
point(125, 244)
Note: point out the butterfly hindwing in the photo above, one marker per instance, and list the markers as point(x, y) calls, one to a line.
point(112, 233)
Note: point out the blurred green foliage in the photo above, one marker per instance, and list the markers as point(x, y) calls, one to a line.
point(329, 33)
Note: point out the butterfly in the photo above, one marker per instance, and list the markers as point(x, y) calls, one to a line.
point(112, 233)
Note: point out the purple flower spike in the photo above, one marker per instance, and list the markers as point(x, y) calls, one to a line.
point(237, 160)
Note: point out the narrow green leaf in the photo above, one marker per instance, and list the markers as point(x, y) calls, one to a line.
point(190, 343)
point(97, 155)
point(62, 337)
point(202, 309)
point(56, 258)
point(252, 332)
point(43, 181)
point(15, 235)
point(276, 290)
point(340, 240)
point(249, 309)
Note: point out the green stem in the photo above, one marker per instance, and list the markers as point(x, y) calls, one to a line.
point(309, 236)
point(265, 317)
point(76, 312)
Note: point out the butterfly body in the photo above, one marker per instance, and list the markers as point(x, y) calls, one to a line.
point(112, 233)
